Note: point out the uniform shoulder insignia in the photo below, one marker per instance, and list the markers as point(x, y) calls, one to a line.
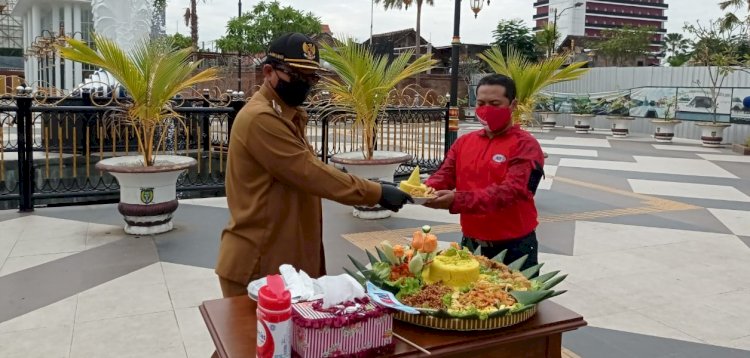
point(276, 107)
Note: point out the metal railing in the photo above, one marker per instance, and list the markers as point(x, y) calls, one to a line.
point(49, 148)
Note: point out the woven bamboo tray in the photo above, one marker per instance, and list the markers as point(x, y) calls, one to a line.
point(465, 324)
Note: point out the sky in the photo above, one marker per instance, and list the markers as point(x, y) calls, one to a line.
point(352, 17)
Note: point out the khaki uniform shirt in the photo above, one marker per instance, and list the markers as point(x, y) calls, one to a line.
point(274, 186)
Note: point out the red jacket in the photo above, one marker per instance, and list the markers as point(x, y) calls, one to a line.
point(491, 179)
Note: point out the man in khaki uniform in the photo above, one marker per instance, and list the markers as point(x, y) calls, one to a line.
point(275, 182)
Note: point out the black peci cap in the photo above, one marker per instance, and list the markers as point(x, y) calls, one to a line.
point(295, 50)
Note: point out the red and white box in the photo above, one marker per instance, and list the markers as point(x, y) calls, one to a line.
point(354, 329)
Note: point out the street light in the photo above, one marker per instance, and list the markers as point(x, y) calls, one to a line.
point(452, 129)
point(554, 25)
point(239, 51)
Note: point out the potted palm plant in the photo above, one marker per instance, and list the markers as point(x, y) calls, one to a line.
point(531, 77)
point(545, 107)
point(743, 149)
point(720, 61)
point(664, 127)
point(583, 114)
point(619, 114)
point(361, 91)
point(153, 73)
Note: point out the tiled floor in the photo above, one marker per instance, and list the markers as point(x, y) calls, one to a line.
point(655, 271)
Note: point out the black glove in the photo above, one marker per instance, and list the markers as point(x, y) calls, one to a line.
point(393, 198)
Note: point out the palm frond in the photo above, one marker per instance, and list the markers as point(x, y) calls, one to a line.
point(531, 78)
point(153, 73)
point(364, 82)
point(733, 3)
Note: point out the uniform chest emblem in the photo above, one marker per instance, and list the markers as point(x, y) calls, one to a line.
point(498, 158)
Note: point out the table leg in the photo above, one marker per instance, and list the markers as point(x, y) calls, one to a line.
point(554, 345)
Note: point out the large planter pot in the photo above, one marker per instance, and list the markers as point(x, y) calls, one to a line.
point(469, 112)
point(741, 149)
point(549, 119)
point(582, 122)
point(148, 195)
point(712, 134)
point(664, 130)
point(620, 126)
point(382, 166)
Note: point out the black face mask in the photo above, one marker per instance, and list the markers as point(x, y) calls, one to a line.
point(293, 92)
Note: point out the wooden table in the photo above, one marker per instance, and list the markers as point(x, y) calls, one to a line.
point(231, 323)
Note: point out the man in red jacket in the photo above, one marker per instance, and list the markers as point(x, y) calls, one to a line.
point(490, 176)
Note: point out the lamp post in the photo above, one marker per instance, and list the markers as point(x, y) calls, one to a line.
point(554, 25)
point(451, 133)
point(239, 51)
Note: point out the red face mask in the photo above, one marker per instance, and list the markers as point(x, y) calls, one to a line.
point(494, 118)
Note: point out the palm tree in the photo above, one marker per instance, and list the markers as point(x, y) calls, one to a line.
point(531, 77)
point(191, 19)
point(676, 43)
point(730, 19)
point(398, 4)
point(153, 72)
point(547, 38)
point(364, 82)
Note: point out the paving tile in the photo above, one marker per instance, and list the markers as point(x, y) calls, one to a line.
point(177, 273)
point(45, 342)
point(15, 264)
point(151, 274)
point(44, 228)
point(593, 237)
point(586, 302)
point(220, 202)
point(725, 158)
point(733, 302)
point(649, 164)
point(635, 322)
point(98, 234)
point(634, 290)
point(147, 335)
point(189, 286)
point(417, 212)
point(198, 343)
point(601, 342)
point(107, 302)
point(700, 320)
point(58, 314)
point(741, 343)
point(685, 148)
point(738, 221)
point(67, 243)
point(192, 293)
point(688, 190)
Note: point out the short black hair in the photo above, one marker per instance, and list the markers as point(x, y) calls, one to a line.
point(500, 80)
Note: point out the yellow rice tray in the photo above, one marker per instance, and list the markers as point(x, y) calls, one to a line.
point(465, 324)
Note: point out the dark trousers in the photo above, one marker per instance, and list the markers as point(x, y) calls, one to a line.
point(517, 248)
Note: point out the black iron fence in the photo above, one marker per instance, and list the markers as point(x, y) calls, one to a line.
point(49, 147)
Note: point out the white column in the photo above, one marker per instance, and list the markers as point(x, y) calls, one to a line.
point(78, 75)
point(36, 30)
point(68, 18)
point(56, 30)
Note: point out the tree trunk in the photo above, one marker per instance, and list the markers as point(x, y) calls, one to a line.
point(419, 36)
point(194, 23)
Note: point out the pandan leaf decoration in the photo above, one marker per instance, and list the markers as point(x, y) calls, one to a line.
point(530, 297)
point(356, 276)
point(372, 258)
point(500, 257)
point(553, 282)
point(557, 293)
point(531, 271)
point(381, 254)
point(546, 276)
point(516, 265)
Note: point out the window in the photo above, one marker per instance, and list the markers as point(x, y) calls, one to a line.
point(87, 28)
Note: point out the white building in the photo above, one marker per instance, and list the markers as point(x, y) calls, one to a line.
point(48, 19)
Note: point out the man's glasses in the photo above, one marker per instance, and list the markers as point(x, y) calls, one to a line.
point(312, 78)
